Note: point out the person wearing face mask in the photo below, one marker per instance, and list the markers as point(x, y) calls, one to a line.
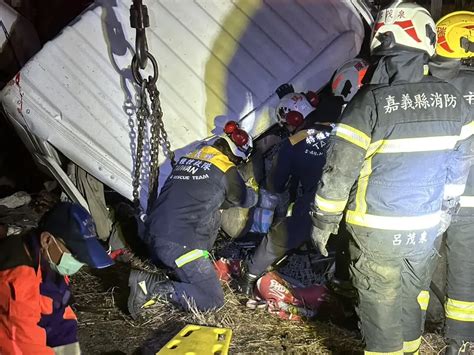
point(35, 316)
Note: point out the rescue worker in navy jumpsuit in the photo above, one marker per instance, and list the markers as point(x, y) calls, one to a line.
point(398, 160)
point(300, 158)
point(454, 63)
point(184, 220)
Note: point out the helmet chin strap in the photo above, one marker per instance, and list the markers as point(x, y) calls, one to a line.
point(467, 45)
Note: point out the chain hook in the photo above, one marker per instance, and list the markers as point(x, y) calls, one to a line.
point(140, 21)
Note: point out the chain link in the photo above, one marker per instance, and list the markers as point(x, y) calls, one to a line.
point(145, 117)
point(142, 113)
point(158, 138)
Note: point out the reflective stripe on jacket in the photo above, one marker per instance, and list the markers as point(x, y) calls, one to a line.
point(464, 82)
point(405, 147)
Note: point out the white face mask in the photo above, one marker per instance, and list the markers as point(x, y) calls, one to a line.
point(68, 265)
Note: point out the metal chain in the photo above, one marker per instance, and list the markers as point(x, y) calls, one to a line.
point(157, 114)
point(154, 119)
point(142, 113)
point(145, 117)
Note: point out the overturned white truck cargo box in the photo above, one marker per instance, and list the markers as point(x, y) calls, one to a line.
point(218, 60)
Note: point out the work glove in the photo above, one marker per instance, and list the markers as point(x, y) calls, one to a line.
point(444, 222)
point(320, 238)
point(252, 183)
point(323, 227)
point(448, 209)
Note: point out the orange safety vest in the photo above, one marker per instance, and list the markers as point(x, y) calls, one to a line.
point(22, 306)
point(20, 312)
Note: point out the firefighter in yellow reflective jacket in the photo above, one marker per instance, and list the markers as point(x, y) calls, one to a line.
point(455, 63)
point(397, 163)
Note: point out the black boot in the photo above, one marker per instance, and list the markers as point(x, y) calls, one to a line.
point(246, 283)
point(342, 288)
point(456, 347)
point(145, 288)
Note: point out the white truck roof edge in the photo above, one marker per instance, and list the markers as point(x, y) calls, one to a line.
point(219, 60)
point(365, 11)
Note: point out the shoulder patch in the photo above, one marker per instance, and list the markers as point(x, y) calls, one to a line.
point(213, 156)
point(298, 137)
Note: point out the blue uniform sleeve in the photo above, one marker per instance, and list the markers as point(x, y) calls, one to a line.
point(237, 194)
point(280, 172)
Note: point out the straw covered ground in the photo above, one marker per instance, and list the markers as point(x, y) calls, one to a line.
point(106, 328)
point(100, 297)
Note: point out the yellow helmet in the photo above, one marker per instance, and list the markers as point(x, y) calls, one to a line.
point(456, 35)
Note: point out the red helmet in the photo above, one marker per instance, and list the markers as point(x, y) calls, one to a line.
point(293, 107)
point(240, 142)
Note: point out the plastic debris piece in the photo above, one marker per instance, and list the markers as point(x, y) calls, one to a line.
point(273, 288)
point(14, 230)
point(199, 340)
point(16, 200)
point(289, 302)
point(256, 304)
point(227, 269)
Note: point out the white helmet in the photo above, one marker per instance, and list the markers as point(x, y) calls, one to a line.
point(294, 107)
point(239, 141)
point(404, 25)
point(348, 78)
